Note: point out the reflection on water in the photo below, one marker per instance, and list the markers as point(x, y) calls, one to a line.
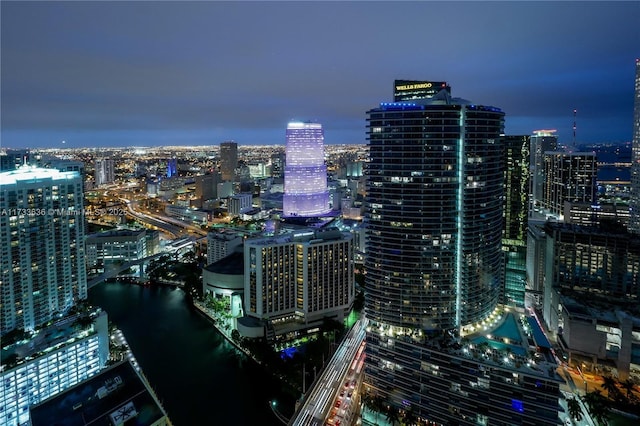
point(198, 375)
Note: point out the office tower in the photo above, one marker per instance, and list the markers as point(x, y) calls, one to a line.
point(406, 90)
point(516, 213)
point(570, 177)
point(433, 213)
point(13, 158)
point(541, 142)
point(42, 246)
point(536, 258)
point(296, 281)
point(172, 167)
point(634, 202)
point(228, 160)
point(278, 164)
point(305, 176)
point(104, 172)
point(207, 186)
point(593, 274)
point(239, 203)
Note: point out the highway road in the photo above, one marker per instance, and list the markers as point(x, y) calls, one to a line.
point(333, 397)
point(169, 225)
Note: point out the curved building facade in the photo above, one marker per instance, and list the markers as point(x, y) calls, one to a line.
point(434, 270)
point(434, 214)
point(305, 176)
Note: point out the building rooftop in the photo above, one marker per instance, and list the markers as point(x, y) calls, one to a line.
point(118, 233)
point(229, 265)
point(34, 174)
point(506, 340)
point(116, 396)
point(56, 335)
point(442, 98)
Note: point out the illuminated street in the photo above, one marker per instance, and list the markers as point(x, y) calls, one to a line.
point(334, 396)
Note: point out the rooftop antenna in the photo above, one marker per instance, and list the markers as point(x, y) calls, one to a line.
point(574, 128)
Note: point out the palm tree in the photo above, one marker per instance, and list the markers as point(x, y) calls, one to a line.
point(368, 402)
point(609, 385)
point(575, 411)
point(378, 405)
point(598, 407)
point(410, 417)
point(628, 386)
point(393, 415)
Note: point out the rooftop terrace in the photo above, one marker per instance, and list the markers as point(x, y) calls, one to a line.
point(117, 395)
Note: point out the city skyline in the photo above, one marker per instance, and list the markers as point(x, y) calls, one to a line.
point(200, 73)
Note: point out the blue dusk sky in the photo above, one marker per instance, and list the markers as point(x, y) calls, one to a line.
point(149, 73)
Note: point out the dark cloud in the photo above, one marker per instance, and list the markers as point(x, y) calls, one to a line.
point(111, 72)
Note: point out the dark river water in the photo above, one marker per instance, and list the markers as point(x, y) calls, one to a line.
point(199, 377)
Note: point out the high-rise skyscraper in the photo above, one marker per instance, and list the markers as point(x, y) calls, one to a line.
point(516, 213)
point(228, 160)
point(42, 254)
point(104, 171)
point(434, 213)
point(634, 202)
point(434, 269)
point(172, 167)
point(305, 176)
point(541, 142)
point(277, 164)
point(570, 177)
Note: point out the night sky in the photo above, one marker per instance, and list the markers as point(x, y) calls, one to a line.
point(198, 73)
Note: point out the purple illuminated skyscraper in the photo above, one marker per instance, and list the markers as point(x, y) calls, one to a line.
point(305, 175)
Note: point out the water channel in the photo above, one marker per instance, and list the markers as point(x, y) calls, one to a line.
point(200, 378)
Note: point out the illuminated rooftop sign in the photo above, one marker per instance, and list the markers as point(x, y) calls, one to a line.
point(417, 89)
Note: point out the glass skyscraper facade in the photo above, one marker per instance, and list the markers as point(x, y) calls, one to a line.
point(541, 142)
point(634, 202)
point(305, 176)
point(434, 270)
point(516, 209)
point(228, 160)
point(434, 214)
point(570, 177)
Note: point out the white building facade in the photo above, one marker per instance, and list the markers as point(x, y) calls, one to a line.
point(42, 253)
point(51, 367)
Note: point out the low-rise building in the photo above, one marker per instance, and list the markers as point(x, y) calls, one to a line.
point(224, 280)
point(116, 246)
point(595, 337)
